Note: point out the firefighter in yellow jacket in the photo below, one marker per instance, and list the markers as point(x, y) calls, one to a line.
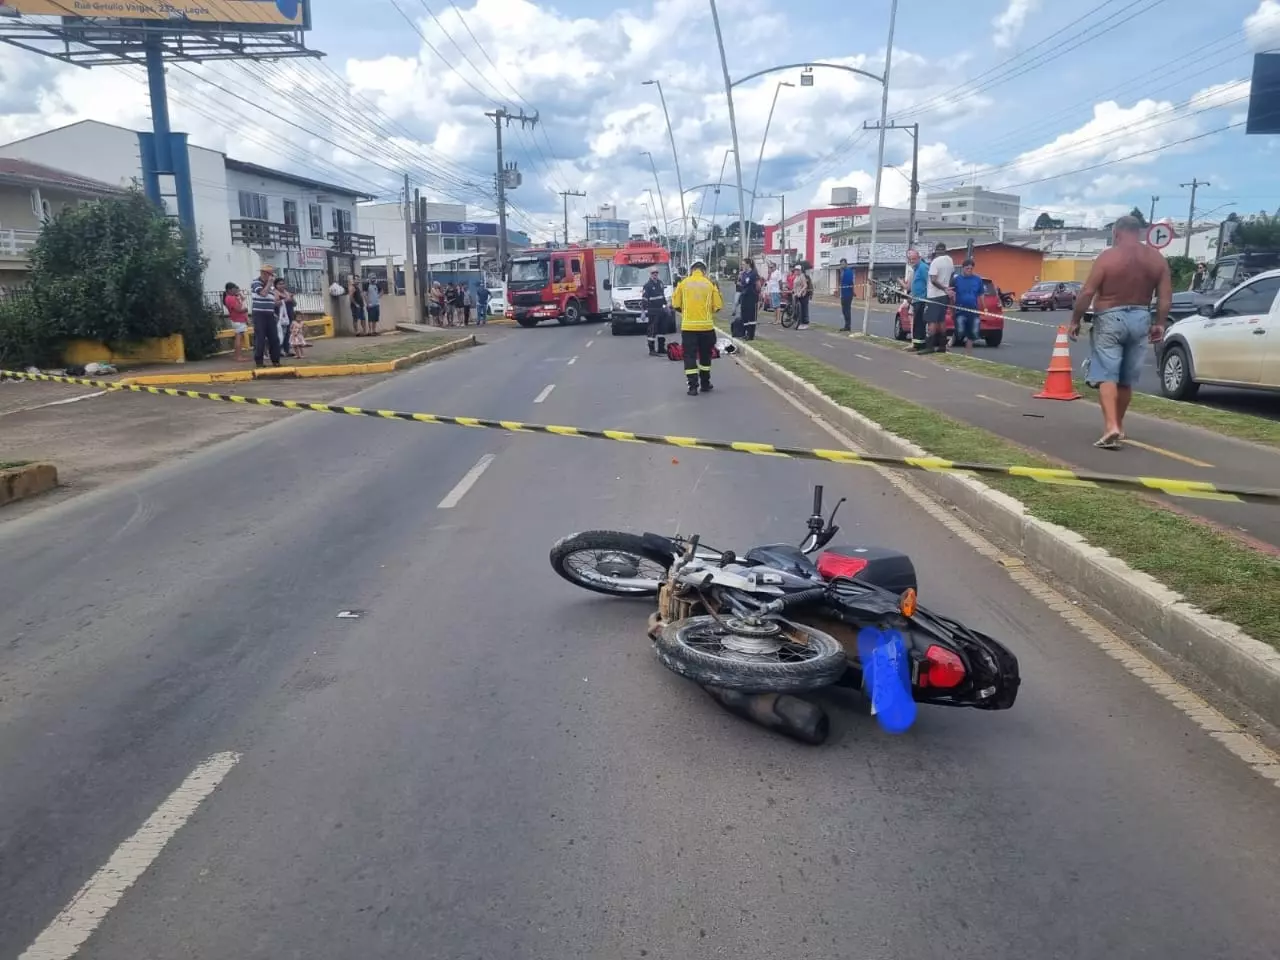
point(697, 299)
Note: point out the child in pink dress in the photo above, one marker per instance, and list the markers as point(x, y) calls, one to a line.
point(297, 340)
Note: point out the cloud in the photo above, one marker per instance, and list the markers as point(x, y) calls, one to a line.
point(1262, 27)
point(1011, 20)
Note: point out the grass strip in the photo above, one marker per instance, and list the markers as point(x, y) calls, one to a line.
point(13, 464)
point(1240, 425)
point(1216, 573)
point(393, 348)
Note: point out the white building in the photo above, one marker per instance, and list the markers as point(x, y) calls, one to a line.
point(245, 214)
point(976, 206)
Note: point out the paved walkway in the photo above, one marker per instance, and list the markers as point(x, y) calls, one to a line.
point(1064, 431)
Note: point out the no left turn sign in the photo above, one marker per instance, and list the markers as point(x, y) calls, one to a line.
point(1159, 235)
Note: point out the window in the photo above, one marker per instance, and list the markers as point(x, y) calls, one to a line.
point(947, 205)
point(962, 203)
point(829, 224)
point(1252, 300)
point(291, 213)
point(316, 213)
point(253, 206)
point(341, 220)
point(557, 275)
point(575, 266)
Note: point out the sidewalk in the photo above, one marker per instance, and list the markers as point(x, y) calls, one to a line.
point(1065, 431)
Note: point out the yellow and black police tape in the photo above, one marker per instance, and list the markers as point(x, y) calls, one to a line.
point(1198, 489)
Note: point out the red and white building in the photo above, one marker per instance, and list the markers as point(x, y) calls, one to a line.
point(809, 233)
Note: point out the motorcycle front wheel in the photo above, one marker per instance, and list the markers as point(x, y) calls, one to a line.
point(612, 563)
point(751, 659)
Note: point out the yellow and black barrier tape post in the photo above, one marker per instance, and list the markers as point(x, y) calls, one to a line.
point(1197, 489)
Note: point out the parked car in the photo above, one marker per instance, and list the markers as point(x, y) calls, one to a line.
point(1234, 343)
point(1050, 295)
point(498, 301)
point(990, 321)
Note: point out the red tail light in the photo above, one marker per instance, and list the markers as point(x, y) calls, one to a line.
point(832, 565)
point(942, 669)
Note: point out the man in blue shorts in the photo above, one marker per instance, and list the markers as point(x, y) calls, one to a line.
point(1121, 285)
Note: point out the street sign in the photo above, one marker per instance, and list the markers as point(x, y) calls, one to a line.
point(1159, 235)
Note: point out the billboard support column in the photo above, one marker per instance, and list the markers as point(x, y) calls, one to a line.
point(164, 153)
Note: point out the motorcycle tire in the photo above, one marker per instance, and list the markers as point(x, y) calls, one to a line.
point(612, 547)
point(688, 647)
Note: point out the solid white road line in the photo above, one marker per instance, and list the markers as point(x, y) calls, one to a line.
point(572, 361)
point(546, 392)
point(454, 496)
point(69, 930)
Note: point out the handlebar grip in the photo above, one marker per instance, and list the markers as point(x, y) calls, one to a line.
point(817, 499)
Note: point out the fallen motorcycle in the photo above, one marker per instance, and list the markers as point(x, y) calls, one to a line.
point(756, 630)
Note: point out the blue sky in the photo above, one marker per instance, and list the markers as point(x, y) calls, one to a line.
point(1047, 99)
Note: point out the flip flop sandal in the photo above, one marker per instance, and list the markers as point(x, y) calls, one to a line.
point(1110, 442)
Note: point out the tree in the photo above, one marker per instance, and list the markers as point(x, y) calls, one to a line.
point(1046, 222)
point(1181, 270)
point(1137, 215)
point(119, 270)
point(1257, 233)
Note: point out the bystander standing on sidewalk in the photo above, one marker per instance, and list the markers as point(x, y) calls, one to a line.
point(266, 331)
point(941, 270)
point(919, 290)
point(482, 305)
point(357, 305)
point(373, 303)
point(801, 292)
point(774, 288)
point(233, 300)
point(968, 291)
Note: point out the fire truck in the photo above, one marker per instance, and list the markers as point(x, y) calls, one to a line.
point(566, 284)
point(631, 266)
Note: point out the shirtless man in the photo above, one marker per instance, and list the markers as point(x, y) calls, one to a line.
point(1121, 284)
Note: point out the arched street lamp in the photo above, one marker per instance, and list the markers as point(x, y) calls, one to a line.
point(884, 110)
point(763, 140)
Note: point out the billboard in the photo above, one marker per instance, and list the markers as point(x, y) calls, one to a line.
point(461, 228)
point(1264, 95)
point(276, 14)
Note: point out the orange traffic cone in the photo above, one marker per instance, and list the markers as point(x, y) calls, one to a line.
point(1058, 385)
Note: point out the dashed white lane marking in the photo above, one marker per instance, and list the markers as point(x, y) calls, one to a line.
point(572, 361)
point(454, 496)
point(983, 396)
point(1260, 758)
point(70, 929)
point(918, 376)
point(862, 356)
point(546, 392)
point(59, 403)
point(590, 342)
point(829, 346)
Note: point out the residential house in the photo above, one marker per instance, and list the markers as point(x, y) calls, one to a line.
point(31, 194)
point(245, 214)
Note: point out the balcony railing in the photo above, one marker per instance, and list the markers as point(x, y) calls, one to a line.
point(17, 244)
point(264, 235)
point(354, 244)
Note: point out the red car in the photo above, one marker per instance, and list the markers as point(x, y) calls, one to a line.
point(990, 321)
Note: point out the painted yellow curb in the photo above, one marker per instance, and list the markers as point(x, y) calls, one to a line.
point(18, 483)
point(318, 370)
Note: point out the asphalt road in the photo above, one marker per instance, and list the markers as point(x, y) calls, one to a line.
point(490, 763)
point(1028, 342)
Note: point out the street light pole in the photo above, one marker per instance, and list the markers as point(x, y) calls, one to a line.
point(684, 222)
point(760, 160)
point(733, 129)
point(662, 204)
point(875, 204)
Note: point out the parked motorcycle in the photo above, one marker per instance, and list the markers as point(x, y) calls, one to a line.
point(1007, 298)
point(758, 629)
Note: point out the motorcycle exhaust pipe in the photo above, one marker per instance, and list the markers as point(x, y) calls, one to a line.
point(780, 712)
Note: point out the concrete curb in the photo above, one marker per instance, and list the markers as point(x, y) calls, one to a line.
point(1242, 665)
point(19, 483)
point(303, 373)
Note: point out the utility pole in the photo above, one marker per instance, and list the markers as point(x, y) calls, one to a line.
point(565, 195)
point(914, 130)
point(1152, 217)
point(1191, 212)
point(424, 251)
point(411, 288)
point(507, 178)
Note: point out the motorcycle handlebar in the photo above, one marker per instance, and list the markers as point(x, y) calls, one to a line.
point(817, 500)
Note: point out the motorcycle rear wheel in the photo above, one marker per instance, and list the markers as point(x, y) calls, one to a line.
point(608, 562)
point(695, 648)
